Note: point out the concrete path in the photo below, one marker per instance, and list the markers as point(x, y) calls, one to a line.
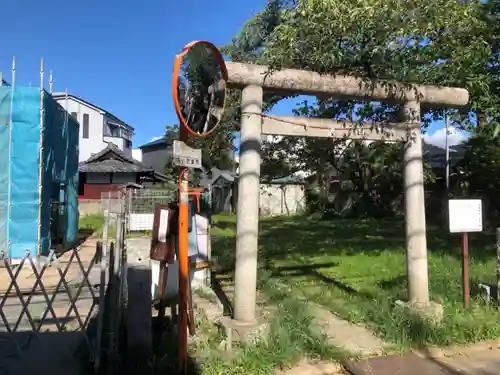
point(139, 310)
point(310, 368)
point(479, 359)
point(354, 339)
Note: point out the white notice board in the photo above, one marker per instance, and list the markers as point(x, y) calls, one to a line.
point(163, 227)
point(465, 215)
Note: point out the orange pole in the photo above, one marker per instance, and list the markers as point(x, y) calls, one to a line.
point(185, 130)
point(183, 261)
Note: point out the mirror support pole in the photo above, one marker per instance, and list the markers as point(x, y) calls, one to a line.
point(247, 214)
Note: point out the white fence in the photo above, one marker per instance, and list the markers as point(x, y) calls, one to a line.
point(281, 199)
point(140, 222)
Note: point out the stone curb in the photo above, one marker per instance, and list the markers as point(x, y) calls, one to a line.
point(308, 368)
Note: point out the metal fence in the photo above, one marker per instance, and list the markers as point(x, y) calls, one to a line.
point(64, 313)
point(114, 238)
point(140, 205)
point(145, 200)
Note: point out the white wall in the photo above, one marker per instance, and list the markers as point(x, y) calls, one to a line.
point(281, 199)
point(94, 143)
point(120, 142)
point(137, 154)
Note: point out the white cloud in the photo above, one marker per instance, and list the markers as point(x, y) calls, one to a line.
point(438, 138)
point(156, 138)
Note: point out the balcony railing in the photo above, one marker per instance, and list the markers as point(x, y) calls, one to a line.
point(112, 131)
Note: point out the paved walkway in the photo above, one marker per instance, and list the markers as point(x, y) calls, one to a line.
point(481, 359)
point(476, 360)
point(354, 339)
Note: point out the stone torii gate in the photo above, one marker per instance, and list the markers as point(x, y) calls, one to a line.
point(253, 80)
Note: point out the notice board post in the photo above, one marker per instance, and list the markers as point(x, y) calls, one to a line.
point(465, 216)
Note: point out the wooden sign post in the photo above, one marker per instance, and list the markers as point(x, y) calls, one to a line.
point(465, 216)
point(162, 249)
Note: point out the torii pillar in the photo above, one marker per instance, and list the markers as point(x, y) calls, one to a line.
point(253, 80)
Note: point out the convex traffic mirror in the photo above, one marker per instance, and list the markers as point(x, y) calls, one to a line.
point(199, 87)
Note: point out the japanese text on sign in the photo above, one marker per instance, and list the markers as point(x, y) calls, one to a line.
point(185, 156)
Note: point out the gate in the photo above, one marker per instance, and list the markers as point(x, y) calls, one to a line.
point(58, 313)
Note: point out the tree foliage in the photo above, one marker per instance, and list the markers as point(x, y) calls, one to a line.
point(444, 42)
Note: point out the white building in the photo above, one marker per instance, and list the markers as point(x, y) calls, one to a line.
point(98, 127)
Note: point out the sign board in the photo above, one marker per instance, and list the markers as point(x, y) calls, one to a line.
point(185, 156)
point(161, 245)
point(465, 215)
point(163, 226)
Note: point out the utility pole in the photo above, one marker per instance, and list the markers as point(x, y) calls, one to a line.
point(447, 153)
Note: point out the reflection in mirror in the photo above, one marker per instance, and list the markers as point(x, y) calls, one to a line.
point(201, 89)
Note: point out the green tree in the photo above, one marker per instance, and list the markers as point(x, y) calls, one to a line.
point(443, 42)
point(479, 173)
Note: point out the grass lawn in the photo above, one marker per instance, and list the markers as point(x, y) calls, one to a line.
point(357, 269)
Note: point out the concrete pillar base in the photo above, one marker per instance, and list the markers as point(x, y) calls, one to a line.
point(238, 331)
point(431, 312)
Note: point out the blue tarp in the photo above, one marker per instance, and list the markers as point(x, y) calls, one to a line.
point(60, 175)
point(24, 172)
point(5, 107)
point(28, 215)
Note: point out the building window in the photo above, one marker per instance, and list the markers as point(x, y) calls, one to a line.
point(85, 130)
point(74, 115)
point(128, 143)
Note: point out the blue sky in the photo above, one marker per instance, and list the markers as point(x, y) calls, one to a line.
point(117, 54)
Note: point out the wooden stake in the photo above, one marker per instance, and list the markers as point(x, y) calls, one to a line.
point(498, 266)
point(465, 269)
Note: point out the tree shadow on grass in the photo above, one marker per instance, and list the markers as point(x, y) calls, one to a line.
point(312, 270)
point(351, 236)
point(298, 239)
